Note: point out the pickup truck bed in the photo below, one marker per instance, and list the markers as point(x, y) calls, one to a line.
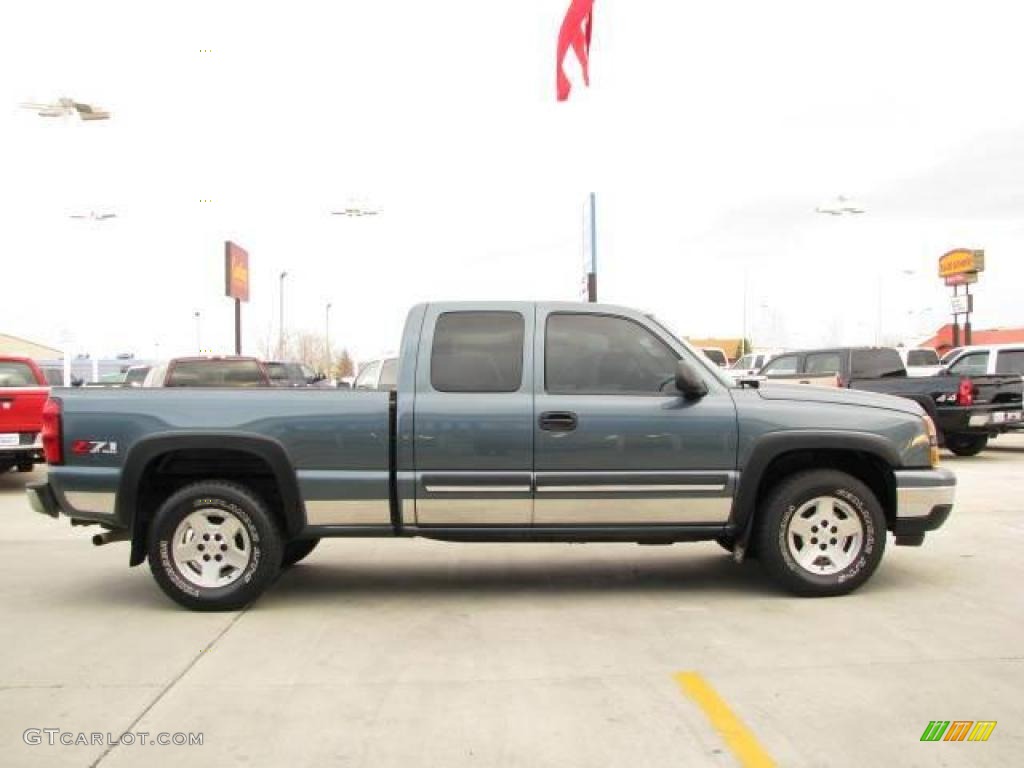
point(511, 422)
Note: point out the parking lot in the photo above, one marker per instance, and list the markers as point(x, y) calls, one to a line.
point(379, 653)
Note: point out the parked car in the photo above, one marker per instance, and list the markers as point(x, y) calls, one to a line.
point(716, 355)
point(511, 422)
point(920, 361)
point(987, 359)
point(23, 393)
point(967, 409)
point(379, 375)
point(283, 374)
point(752, 362)
point(228, 371)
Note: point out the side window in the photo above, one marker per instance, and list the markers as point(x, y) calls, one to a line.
point(823, 363)
point(971, 364)
point(1010, 361)
point(781, 366)
point(477, 352)
point(367, 376)
point(877, 363)
point(599, 354)
point(922, 357)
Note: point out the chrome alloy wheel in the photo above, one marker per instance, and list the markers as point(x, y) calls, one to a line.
point(825, 535)
point(211, 548)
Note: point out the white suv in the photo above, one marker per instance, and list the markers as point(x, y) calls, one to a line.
point(986, 359)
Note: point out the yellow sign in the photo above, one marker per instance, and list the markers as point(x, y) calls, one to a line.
point(961, 261)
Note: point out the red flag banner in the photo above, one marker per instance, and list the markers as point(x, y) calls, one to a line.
point(575, 34)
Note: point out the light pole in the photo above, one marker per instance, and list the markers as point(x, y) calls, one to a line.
point(327, 338)
point(280, 329)
point(199, 346)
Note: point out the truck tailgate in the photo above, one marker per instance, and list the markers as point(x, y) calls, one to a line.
point(21, 409)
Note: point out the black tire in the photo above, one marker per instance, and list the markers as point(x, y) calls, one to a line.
point(776, 541)
point(726, 542)
point(966, 444)
point(296, 550)
point(25, 466)
point(6, 467)
point(256, 529)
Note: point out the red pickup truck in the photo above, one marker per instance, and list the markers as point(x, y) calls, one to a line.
point(23, 393)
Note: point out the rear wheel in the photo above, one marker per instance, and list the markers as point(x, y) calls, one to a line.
point(963, 444)
point(294, 551)
point(213, 546)
point(5, 466)
point(821, 533)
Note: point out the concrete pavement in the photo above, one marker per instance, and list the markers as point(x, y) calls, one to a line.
point(381, 653)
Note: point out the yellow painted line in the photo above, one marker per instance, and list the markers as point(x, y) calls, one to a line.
point(740, 740)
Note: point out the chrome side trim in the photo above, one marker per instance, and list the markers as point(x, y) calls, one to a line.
point(97, 502)
point(348, 512)
point(637, 488)
point(632, 511)
point(470, 511)
point(477, 488)
point(920, 500)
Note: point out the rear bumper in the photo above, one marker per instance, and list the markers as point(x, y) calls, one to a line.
point(42, 500)
point(30, 448)
point(924, 500)
point(980, 419)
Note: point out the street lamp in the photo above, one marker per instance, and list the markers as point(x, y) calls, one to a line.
point(327, 337)
point(199, 346)
point(280, 330)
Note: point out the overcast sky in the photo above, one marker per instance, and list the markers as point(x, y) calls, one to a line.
point(710, 133)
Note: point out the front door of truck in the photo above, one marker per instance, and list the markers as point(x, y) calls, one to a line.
point(474, 416)
point(615, 443)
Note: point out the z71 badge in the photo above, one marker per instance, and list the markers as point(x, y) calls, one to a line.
point(102, 447)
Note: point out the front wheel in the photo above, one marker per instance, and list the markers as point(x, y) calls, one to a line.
point(964, 444)
point(213, 546)
point(822, 533)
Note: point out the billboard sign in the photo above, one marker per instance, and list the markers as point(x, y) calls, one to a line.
point(236, 271)
point(961, 261)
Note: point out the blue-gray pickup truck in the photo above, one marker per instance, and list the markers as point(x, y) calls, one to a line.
point(511, 422)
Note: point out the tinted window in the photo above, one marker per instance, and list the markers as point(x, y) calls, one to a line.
point(478, 352)
point(136, 376)
point(922, 357)
point(388, 375)
point(823, 362)
point(1010, 361)
point(877, 363)
point(54, 376)
point(215, 373)
point(595, 354)
point(781, 366)
point(14, 374)
point(277, 372)
point(367, 377)
point(715, 356)
point(972, 363)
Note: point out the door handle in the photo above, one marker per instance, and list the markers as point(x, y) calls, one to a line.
point(558, 421)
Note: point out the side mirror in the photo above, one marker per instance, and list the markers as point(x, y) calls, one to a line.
point(690, 384)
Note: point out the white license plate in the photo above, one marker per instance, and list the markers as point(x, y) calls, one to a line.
point(1008, 417)
point(9, 439)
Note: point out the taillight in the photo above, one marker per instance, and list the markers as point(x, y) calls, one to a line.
point(965, 392)
point(52, 437)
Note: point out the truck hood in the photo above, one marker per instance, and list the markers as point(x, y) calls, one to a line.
point(813, 394)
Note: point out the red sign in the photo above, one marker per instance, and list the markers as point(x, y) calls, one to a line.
point(236, 271)
point(963, 278)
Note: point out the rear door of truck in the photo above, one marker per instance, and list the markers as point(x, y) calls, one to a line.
point(616, 444)
point(473, 435)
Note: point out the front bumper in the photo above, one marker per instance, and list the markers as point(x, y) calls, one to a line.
point(924, 500)
point(42, 500)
